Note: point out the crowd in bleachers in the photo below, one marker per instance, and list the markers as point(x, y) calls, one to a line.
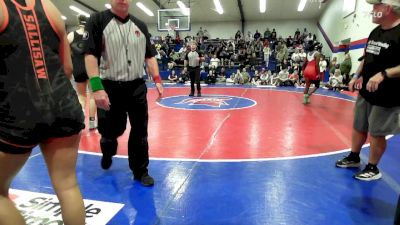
point(258, 59)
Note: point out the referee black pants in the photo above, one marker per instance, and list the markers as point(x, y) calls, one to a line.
point(127, 98)
point(194, 74)
point(397, 215)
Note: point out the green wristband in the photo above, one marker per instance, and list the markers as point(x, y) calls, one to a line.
point(96, 84)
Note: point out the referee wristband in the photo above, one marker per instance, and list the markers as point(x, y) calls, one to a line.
point(157, 79)
point(384, 73)
point(96, 84)
point(355, 76)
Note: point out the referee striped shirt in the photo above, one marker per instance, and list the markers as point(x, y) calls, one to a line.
point(192, 58)
point(120, 45)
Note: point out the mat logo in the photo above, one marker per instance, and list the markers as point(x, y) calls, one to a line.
point(208, 102)
point(44, 209)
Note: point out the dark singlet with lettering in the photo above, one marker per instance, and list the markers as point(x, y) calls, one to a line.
point(78, 59)
point(35, 94)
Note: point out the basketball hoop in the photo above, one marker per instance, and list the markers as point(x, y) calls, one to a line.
point(172, 31)
point(172, 27)
point(320, 3)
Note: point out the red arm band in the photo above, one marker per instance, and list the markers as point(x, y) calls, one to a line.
point(157, 79)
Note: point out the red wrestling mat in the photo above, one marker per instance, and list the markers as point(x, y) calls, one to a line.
point(279, 125)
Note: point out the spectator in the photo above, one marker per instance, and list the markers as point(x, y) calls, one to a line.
point(188, 38)
point(295, 78)
point(303, 58)
point(258, 47)
point(345, 68)
point(267, 53)
point(214, 62)
point(296, 57)
point(184, 76)
point(171, 65)
point(336, 81)
point(267, 34)
point(255, 80)
point(289, 42)
point(281, 55)
point(305, 34)
point(221, 76)
point(257, 35)
point(249, 37)
point(244, 77)
point(172, 76)
point(283, 77)
point(206, 35)
point(238, 35)
point(332, 66)
point(200, 33)
point(234, 77)
point(273, 35)
point(322, 67)
point(174, 56)
point(297, 33)
point(265, 77)
point(211, 79)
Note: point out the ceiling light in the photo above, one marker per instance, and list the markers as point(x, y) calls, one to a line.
point(145, 9)
point(218, 6)
point(108, 6)
point(263, 6)
point(64, 17)
point(184, 9)
point(78, 10)
point(302, 4)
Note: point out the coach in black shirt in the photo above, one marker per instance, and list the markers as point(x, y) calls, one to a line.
point(377, 109)
point(117, 45)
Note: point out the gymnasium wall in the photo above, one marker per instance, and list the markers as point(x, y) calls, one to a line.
point(337, 28)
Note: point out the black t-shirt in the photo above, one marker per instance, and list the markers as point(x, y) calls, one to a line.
point(381, 53)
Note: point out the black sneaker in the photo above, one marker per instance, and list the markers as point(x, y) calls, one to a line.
point(106, 162)
point(348, 162)
point(145, 179)
point(368, 174)
point(198, 94)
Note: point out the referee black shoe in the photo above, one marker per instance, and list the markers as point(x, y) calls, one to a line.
point(145, 179)
point(106, 162)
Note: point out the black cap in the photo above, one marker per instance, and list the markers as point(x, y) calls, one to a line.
point(82, 19)
point(316, 46)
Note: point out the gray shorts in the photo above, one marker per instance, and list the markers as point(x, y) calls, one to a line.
point(376, 120)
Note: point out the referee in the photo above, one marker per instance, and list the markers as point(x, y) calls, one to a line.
point(192, 62)
point(117, 45)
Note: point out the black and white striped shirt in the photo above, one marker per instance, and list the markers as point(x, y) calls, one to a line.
point(120, 45)
point(192, 58)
